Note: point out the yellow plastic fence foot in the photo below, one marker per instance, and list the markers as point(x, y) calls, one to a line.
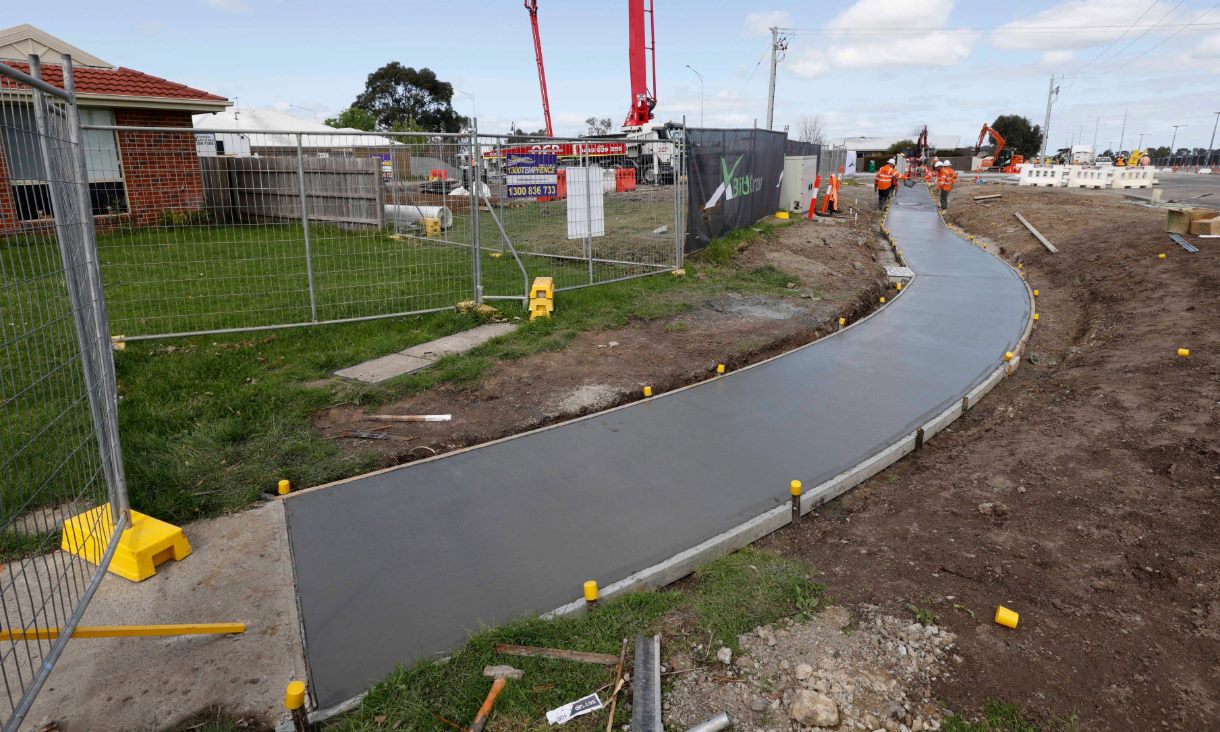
point(147, 543)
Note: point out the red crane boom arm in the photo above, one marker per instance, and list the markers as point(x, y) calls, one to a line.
point(531, 6)
point(640, 45)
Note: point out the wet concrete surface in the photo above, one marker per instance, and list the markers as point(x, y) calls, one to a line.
point(404, 564)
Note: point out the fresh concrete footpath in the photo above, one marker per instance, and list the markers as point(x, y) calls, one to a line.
point(402, 564)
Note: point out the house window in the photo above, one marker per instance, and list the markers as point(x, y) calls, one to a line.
point(28, 174)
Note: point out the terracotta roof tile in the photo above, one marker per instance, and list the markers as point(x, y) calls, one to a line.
point(120, 82)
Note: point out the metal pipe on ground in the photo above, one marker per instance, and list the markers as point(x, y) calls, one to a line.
point(399, 212)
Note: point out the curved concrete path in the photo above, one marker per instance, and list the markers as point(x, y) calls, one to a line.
point(400, 565)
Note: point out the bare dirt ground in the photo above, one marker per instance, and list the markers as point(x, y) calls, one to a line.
point(1083, 492)
point(838, 272)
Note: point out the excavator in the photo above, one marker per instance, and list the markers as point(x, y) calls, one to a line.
point(998, 161)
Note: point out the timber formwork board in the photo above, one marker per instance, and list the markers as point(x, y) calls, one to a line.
point(403, 564)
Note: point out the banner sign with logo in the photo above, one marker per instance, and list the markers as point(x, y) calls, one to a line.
point(734, 178)
point(531, 175)
point(562, 149)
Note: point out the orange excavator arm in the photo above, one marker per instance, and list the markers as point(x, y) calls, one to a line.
point(997, 137)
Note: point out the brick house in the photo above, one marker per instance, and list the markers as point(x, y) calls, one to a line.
point(134, 176)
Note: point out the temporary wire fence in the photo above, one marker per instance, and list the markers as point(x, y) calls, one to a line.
point(217, 230)
point(59, 449)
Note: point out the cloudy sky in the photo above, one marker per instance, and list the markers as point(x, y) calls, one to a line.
point(872, 67)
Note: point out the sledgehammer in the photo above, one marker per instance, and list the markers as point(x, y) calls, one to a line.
point(501, 674)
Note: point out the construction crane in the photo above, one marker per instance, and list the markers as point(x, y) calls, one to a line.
point(1006, 164)
point(640, 45)
point(531, 6)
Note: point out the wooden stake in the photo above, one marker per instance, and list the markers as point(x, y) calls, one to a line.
point(618, 684)
point(605, 659)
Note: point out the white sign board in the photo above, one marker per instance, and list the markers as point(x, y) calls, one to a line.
point(205, 144)
point(586, 210)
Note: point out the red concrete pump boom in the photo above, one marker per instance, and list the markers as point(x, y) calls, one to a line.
point(643, 98)
point(531, 6)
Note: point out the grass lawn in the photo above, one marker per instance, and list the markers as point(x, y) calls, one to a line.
point(727, 597)
point(209, 423)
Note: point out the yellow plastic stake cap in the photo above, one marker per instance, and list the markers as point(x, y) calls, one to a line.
point(883, 299)
point(1008, 355)
point(720, 368)
point(284, 488)
point(1161, 255)
point(794, 487)
point(294, 696)
point(1036, 293)
point(1183, 352)
point(1036, 316)
point(1006, 617)
point(591, 591)
point(898, 286)
point(842, 322)
point(648, 391)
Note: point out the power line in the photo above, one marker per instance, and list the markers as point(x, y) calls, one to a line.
point(1158, 45)
point(1000, 30)
point(1116, 40)
point(1136, 39)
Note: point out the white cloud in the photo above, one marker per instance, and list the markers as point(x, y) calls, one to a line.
point(1057, 58)
point(869, 35)
point(230, 6)
point(1091, 23)
point(760, 24)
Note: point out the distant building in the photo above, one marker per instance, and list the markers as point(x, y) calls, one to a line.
point(865, 145)
point(134, 176)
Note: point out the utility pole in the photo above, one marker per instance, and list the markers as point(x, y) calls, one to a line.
point(1124, 132)
point(1140, 145)
point(1096, 124)
point(778, 45)
point(1051, 93)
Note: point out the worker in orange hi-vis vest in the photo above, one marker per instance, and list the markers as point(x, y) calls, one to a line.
point(945, 178)
point(884, 182)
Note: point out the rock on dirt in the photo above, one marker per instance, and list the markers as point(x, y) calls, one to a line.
point(813, 709)
point(828, 672)
point(587, 398)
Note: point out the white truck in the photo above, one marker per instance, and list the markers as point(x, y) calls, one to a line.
point(1082, 154)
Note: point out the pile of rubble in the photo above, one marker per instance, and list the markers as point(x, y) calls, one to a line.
point(871, 672)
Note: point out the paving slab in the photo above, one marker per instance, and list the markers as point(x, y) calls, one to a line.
point(239, 571)
point(419, 357)
point(403, 564)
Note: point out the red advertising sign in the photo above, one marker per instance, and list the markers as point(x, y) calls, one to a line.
point(562, 149)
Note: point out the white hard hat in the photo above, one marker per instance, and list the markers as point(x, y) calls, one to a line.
point(890, 161)
point(938, 163)
point(947, 164)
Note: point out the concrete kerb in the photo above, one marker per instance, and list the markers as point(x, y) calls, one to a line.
point(746, 533)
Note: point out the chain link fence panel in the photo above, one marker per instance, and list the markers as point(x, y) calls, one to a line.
point(58, 407)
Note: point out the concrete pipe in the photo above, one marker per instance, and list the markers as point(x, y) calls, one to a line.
point(413, 214)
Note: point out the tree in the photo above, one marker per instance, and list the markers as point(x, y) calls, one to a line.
point(811, 128)
point(597, 126)
point(1158, 152)
point(401, 97)
point(902, 146)
point(1020, 135)
point(353, 118)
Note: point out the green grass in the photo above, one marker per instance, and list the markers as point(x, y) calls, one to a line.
point(208, 423)
point(413, 698)
point(751, 588)
point(1001, 717)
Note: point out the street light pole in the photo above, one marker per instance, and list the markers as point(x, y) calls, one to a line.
point(1172, 145)
point(1096, 124)
point(1140, 145)
point(1211, 145)
point(692, 68)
